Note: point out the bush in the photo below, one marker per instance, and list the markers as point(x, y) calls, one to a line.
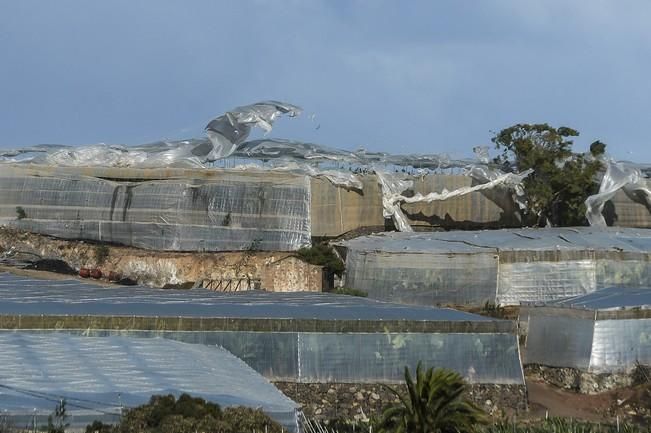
point(322, 255)
point(562, 425)
point(20, 213)
point(101, 253)
point(350, 292)
point(166, 414)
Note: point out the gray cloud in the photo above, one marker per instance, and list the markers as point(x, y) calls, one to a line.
point(409, 76)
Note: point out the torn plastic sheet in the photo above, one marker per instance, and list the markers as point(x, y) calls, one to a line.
point(394, 185)
point(224, 133)
point(618, 176)
point(229, 130)
point(270, 149)
point(340, 178)
point(393, 188)
point(485, 174)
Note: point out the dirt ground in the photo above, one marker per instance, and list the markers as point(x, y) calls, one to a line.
point(628, 403)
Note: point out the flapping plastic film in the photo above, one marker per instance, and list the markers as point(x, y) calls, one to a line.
point(618, 177)
point(226, 141)
point(498, 266)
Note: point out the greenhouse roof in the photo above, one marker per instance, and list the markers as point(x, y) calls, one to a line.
point(611, 298)
point(97, 375)
point(23, 295)
point(492, 241)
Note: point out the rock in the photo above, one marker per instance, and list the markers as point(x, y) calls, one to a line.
point(375, 396)
point(332, 391)
point(488, 403)
point(318, 411)
point(359, 396)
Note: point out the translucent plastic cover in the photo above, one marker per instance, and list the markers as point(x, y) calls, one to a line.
point(97, 376)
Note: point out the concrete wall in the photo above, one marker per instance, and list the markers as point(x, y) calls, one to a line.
point(482, 209)
point(336, 211)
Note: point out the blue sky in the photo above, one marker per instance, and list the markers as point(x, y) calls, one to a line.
point(399, 76)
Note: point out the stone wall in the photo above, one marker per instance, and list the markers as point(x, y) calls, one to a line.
point(358, 402)
point(576, 380)
point(291, 273)
point(160, 268)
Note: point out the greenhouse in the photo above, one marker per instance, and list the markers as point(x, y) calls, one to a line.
point(504, 267)
point(608, 331)
point(100, 377)
point(290, 337)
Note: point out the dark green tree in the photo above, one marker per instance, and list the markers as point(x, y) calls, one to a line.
point(561, 181)
point(436, 402)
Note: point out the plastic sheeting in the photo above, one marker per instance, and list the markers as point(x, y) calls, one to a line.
point(32, 296)
point(224, 134)
point(97, 376)
point(478, 347)
point(499, 266)
point(231, 211)
point(612, 298)
point(618, 176)
point(568, 338)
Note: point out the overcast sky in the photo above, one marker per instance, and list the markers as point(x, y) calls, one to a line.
point(399, 76)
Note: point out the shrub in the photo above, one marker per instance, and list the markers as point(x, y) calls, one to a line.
point(101, 253)
point(20, 213)
point(166, 414)
point(350, 292)
point(322, 254)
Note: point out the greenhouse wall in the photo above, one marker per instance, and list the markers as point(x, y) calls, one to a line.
point(424, 279)
point(618, 345)
point(490, 208)
point(234, 211)
point(306, 357)
point(558, 341)
point(580, 339)
point(505, 267)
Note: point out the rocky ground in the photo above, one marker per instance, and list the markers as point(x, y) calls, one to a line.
point(159, 269)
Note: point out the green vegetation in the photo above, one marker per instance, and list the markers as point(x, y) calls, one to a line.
point(322, 254)
point(20, 213)
point(436, 402)
point(493, 310)
point(57, 422)
point(562, 179)
point(350, 292)
point(562, 425)
point(166, 414)
point(101, 253)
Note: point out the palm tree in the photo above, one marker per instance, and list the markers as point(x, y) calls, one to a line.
point(435, 403)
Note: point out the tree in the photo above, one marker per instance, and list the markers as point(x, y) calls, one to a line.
point(435, 402)
point(562, 179)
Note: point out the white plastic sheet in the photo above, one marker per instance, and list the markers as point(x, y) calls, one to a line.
point(618, 176)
